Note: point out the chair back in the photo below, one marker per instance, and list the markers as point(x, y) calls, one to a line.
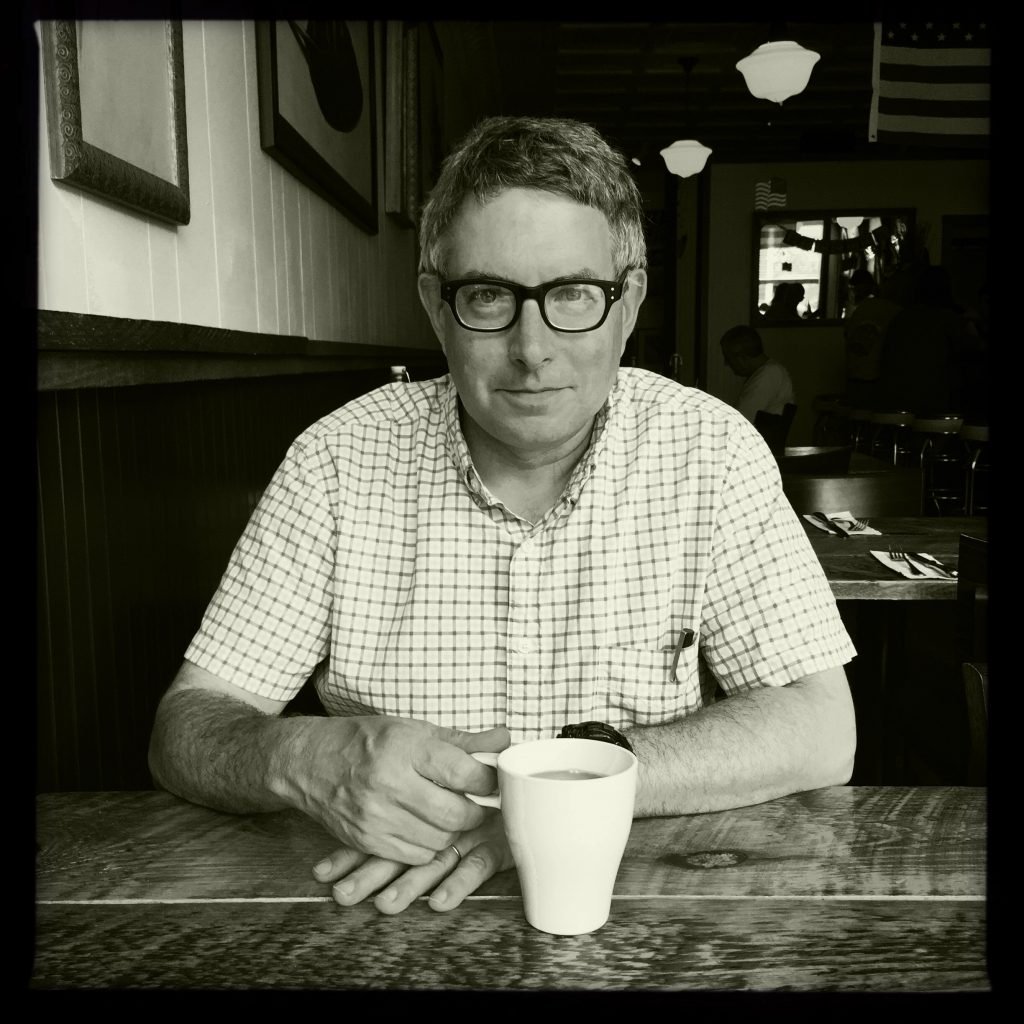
point(774, 427)
point(894, 493)
point(821, 460)
point(972, 614)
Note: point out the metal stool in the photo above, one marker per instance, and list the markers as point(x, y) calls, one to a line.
point(830, 423)
point(941, 453)
point(860, 430)
point(891, 437)
point(976, 469)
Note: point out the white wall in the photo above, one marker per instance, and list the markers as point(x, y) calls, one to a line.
point(262, 251)
point(814, 355)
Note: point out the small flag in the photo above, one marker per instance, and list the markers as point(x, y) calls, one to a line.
point(770, 194)
point(931, 83)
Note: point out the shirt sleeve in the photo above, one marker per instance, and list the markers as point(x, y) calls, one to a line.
point(760, 391)
point(268, 624)
point(769, 616)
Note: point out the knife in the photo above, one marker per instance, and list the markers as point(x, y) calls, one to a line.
point(832, 527)
point(929, 563)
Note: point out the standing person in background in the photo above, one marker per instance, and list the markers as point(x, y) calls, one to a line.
point(927, 345)
point(767, 385)
point(866, 320)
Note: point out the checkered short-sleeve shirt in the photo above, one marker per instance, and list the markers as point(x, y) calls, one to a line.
point(378, 563)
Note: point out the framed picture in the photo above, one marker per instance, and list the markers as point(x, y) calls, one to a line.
point(115, 112)
point(414, 140)
point(318, 113)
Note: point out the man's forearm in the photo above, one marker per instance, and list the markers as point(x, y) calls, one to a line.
point(749, 748)
point(220, 752)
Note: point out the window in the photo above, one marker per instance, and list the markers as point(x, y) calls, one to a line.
point(804, 260)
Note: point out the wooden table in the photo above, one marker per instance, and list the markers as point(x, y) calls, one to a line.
point(854, 574)
point(868, 589)
point(839, 889)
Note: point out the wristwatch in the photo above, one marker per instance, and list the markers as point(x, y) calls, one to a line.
point(594, 731)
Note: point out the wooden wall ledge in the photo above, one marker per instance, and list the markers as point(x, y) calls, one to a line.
point(77, 350)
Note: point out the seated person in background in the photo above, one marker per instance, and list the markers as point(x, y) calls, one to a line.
point(767, 384)
point(518, 545)
point(785, 302)
point(867, 317)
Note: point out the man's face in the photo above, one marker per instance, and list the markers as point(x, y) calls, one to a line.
point(533, 391)
point(735, 362)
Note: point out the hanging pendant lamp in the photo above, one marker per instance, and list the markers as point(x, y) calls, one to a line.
point(776, 71)
point(685, 157)
point(849, 223)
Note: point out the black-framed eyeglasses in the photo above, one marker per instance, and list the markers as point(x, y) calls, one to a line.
point(569, 306)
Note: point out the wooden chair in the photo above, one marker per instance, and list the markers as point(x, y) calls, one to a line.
point(774, 427)
point(893, 493)
point(940, 450)
point(819, 460)
point(972, 613)
point(976, 469)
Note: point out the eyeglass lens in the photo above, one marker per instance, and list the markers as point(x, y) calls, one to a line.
point(571, 306)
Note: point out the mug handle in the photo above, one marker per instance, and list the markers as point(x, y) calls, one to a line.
point(491, 800)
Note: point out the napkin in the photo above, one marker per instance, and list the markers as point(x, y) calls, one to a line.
point(901, 567)
point(845, 520)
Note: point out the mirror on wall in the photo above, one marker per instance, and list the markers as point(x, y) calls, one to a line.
point(803, 260)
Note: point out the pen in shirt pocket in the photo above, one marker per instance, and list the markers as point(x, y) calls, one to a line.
point(686, 639)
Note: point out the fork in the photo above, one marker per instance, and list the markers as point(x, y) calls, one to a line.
point(854, 525)
point(897, 554)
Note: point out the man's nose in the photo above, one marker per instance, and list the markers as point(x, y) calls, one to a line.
point(531, 340)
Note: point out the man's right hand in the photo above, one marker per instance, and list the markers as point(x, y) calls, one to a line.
point(390, 787)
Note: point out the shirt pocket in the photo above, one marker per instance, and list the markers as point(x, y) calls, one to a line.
point(637, 687)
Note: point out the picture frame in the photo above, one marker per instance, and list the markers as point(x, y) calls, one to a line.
point(316, 83)
point(401, 186)
point(114, 93)
point(415, 141)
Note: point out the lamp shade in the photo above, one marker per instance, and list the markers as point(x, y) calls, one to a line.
point(776, 71)
point(849, 223)
point(685, 157)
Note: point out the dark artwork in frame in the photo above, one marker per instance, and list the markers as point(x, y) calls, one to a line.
point(318, 114)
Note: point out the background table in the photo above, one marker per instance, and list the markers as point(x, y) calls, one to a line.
point(875, 603)
point(854, 574)
point(839, 889)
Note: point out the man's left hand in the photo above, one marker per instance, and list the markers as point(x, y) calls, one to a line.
point(448, 878)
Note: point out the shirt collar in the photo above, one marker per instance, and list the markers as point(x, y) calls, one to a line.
point(458, 450)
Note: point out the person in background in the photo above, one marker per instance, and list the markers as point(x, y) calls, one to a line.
point(540, 538)
point(766, 382)
point(786, 299)
point(927, 347)
point(866, 319)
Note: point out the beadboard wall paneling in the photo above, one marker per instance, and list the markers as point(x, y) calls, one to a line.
point(143, 492)
point(261, 253)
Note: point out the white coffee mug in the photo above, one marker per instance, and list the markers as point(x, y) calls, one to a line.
point(567, 807)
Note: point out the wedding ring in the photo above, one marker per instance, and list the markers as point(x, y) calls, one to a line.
point(458, 853)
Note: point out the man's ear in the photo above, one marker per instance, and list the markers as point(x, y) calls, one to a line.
point(633, 294)
point(430, 296)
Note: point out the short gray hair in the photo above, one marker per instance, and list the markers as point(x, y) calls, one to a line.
point(556, 155)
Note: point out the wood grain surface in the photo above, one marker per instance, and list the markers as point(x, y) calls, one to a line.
point(855, 574)
point(844, 889)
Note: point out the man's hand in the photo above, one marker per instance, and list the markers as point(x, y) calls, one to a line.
point(390, 787)
point(448, 878)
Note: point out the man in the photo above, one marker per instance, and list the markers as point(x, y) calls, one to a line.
point(766, 383)
point(866, 320)
point(514, 547)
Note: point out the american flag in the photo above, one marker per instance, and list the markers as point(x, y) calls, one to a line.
point(770, 194)
point(931, 83)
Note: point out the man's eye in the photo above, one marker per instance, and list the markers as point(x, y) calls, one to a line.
point(486, 296)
